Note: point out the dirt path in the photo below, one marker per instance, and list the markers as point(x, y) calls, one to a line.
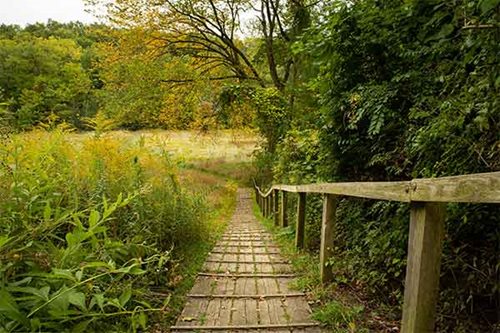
point(244, 284)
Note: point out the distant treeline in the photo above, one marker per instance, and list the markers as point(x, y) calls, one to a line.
point(69, 72)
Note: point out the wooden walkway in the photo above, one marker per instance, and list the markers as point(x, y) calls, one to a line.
point(244, 284)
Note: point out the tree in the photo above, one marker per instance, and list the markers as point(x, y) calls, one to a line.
point(40, 77)
point(211, 32)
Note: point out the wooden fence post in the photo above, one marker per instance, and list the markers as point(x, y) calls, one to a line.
point(268, 206)
point(276, 207)
point(301, 221)
point(271, 204)
point(327, 236)
point(422, 271)
point(284, 204)
point(264, 211)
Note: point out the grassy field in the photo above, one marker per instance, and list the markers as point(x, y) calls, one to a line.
point(222, 145)
point(107, 232)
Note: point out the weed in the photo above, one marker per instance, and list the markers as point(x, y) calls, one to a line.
point(90, 226)
point(339, 317)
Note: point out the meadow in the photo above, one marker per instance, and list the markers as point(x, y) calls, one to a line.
point(105, 231)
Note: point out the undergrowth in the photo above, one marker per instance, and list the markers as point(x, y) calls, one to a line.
point(336, 306)
point(91, 231)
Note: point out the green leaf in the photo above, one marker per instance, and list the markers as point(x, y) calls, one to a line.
point(97, 264)
point(59, 301)
point(99, 299)
point(42, 293)
point(9, 308)
point(62, 274)
point(142, 319)
point(445, 31)
point(94, 218)
point(137, 271)
point(47, 212)
point(4, 240)
point(487, 5)
point(77, 299)
point(125, 297)
point(81, 327)
point(114, 302)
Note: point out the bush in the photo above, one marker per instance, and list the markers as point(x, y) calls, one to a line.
point(87, 227)
point(404, 92)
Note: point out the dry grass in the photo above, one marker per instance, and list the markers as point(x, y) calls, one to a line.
point(227, 145)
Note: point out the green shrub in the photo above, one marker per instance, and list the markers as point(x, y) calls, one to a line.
point(87, 227)
point(405, 91)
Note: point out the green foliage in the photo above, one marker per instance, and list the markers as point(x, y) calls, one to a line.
point(406, 89)
point(42, 77)
point(371, 247)
point(339, 317)
point(48, 69)
point(86, 230)
point(271, 117)
point(299, 158)
point(145, 86)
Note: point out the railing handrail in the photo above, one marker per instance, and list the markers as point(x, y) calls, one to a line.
point(472, 188)
point(427, 198)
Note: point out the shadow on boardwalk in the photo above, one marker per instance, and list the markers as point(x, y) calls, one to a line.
point(244, 284)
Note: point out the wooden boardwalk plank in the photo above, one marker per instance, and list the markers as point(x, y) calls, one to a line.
point(244, 284)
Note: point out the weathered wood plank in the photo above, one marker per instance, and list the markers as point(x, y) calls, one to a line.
point(395, 191)
point(245, 286)
point(422, 271)
point(283, 211)
point(203, 285)
point(251, 314)
point(223, 286)
point(264, 313)
point(327, 236)
point(301, 221)
point(262, 251)
point(238, 315)
point(263, 296)
point(212, 314)
point(245, 328)
point(276, 213)
point(246, 293)
point(271, 287)
point(254, 275)
point(277, 311)
point(475, 188)
point(245, 261)
point(225, 312)
point(298, 309)
point(193, 313)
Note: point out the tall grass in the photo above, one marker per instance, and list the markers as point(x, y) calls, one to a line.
point(86, 230)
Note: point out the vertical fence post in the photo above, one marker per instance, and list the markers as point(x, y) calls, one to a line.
point(301, 221)
point(422, 270)
point(327, 236)
point(284, 204)
point(264, 203)
point(276, 202)
point(271, 204)
point(267, 206)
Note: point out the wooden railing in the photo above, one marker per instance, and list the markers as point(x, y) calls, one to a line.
point(427, 198)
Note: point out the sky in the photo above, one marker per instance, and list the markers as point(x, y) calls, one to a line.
point(23, 12)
